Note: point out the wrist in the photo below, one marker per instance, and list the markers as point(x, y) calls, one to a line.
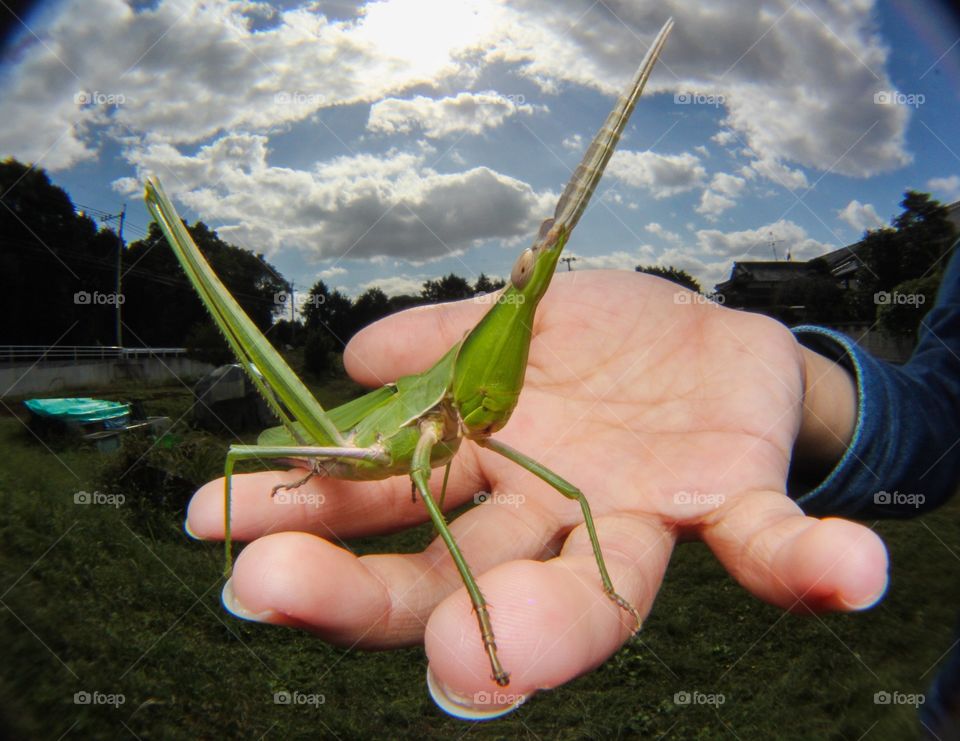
point(829, 414)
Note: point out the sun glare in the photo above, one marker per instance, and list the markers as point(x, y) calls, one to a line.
point(426, 33)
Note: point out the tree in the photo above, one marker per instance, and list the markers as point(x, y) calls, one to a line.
point(814, 297)
point(900, 310)
point(58, 270)
point(678, 276)
point(405, 301)
point(330, 312)
point(486, 285)
point(369, 306)
point(59, 274)
point(154, 278)
point(916, 247)
point(284, 333)
point(318, 351)
point(448, 288)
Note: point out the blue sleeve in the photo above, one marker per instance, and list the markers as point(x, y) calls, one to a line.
point(904, 458)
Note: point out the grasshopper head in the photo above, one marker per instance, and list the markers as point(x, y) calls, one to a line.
point(534, 268)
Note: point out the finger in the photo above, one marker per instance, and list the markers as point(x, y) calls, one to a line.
point(329, 507)
point(551, 621)
point(375, 601)
point(795, 561)
point(410, 341)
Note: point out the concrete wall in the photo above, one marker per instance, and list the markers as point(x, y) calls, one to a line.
point(48, 378)
point(892, 349)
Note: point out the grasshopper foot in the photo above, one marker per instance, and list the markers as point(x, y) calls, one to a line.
point(315, 470)
point(626, 606)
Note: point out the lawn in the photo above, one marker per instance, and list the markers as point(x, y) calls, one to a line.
point(111, 600)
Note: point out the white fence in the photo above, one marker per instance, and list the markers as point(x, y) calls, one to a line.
point(78, 353)
point(39, 369)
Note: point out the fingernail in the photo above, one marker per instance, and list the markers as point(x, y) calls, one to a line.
point(233, 606)
point(484, 705)
point(188, 531)
point(868, 602)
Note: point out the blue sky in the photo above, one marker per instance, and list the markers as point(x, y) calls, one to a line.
point(385, 143)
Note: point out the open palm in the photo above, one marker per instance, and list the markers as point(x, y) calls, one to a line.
point(677, 418)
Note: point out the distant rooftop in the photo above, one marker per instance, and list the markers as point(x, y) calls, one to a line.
point(842, 262)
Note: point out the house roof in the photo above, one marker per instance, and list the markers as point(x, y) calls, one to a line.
point(842, 262)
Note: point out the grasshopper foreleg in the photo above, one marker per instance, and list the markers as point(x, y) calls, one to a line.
point(316, 468)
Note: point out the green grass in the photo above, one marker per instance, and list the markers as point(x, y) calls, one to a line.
point(117, 600)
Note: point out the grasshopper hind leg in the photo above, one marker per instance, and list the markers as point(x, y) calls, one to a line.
point(571, 492)
point(431, 432)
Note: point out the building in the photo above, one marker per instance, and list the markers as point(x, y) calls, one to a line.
point(774, 287)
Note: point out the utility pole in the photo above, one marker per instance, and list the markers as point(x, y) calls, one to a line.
point(293, 311)
point(117, 301)
point(568, 260)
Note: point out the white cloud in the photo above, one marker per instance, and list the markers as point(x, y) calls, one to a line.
point(469, 113)
point(619, 260)
point(720, 195)
point(724, 137)
point(395, 285)
point(204, 96)
point(797, 85)
point(755, 244)
point(362, 206)
point(948, 187)
point(708, 274)
point(662, 174)
point(861, 216)
point(772, 169)
point(710, 257)
point(185, 72)
point(665, 234)
point(712, 204)
point(797, 82)
point(331, 272)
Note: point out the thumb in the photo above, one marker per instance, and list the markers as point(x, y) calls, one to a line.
point(410, 341)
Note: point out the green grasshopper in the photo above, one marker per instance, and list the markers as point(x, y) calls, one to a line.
point(417, 424)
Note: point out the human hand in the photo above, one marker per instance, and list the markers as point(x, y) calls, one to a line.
point(677, 420)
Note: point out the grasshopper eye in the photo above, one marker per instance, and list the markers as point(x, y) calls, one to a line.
point(522, 269)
